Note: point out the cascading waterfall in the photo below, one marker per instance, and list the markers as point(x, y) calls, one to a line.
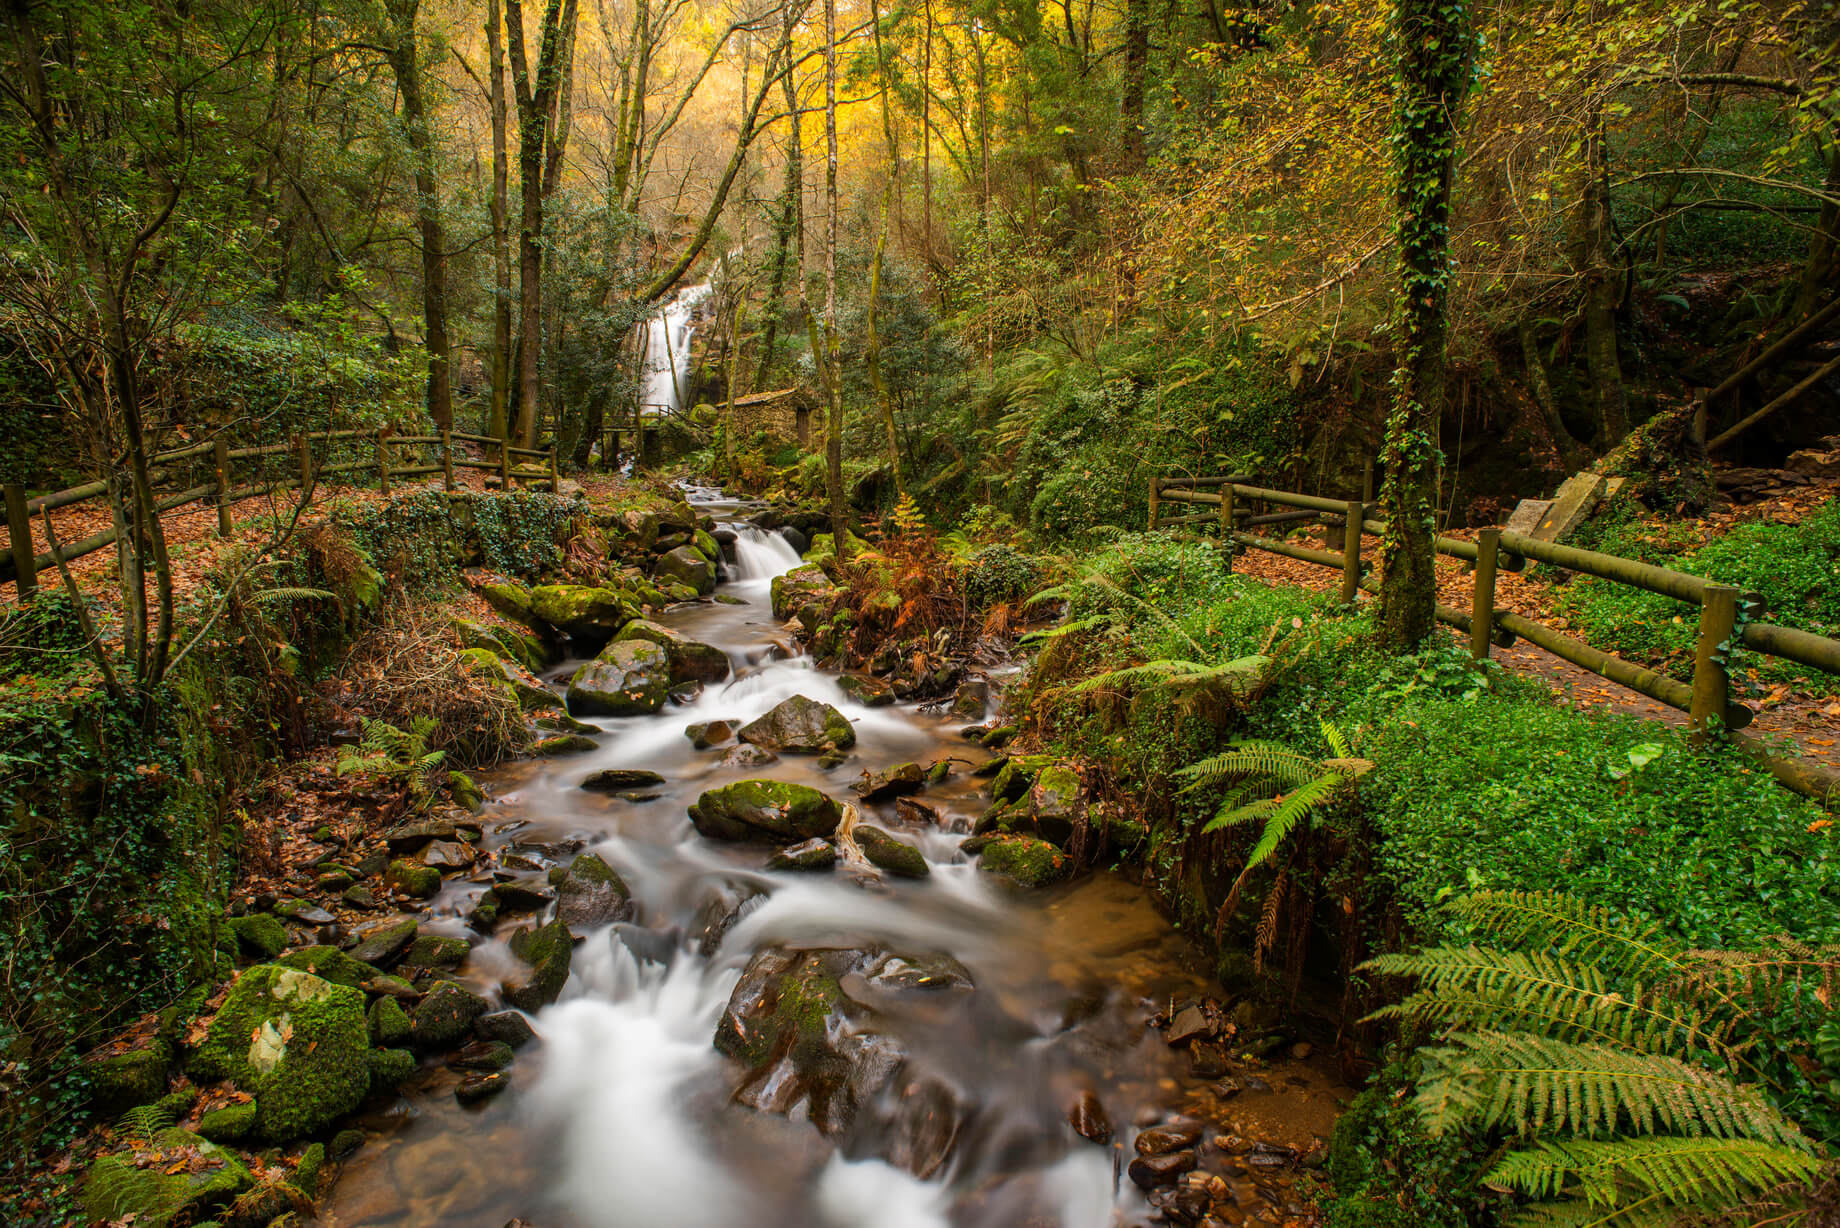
point(666, 368)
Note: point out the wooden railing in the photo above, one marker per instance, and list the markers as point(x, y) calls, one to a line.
point(24, 561)
point(1727, 616)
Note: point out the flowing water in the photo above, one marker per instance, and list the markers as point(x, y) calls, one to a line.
point(624, 1114)
point(668, 334)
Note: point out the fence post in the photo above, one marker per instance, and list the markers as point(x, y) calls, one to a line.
point(1367, 482)
point(19, 530)
point(1351, 552)
point(1718, 618)
point(220, 472)
point(504, 464)
point(383, 460)
point(1226, 521)
point(1482, 603)
point(303, 453)
point(447, 457)
point(555, 479)
point(1156, 489)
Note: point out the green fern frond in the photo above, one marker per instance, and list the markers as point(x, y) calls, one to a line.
point(1246, 758)
point(1608, 1173)
point(1290, 810)
point(296, 594)
point(1584, 931)
point(1235, 810)
point(1475, 988)
point(147, 1120)
point(1338, 742)
point(1531, 1084)
point(1047, 634)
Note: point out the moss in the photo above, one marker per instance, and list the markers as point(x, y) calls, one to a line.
point(444, 1014)
point(307, 1170)
point(388, 1022)
point(805, 998)
point(389, 1068)
point(774, 810)
point(411, 879)
point(582, 610)
point(259, 934)
point(797, 587)
point(690, 659)
point(344, 1143)
point(436, 951)
point(465, 792)
point(565, 744)
point(122, 1081)
point(137, 1187)
point(229, 1123)
point(547, 951)
point(332, 964)
point(295, 1041)
point(1025, 860)
point(628, 678)
point(1017, 775)
point(885, 852)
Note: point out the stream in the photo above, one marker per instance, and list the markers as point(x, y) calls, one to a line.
point(1029, 1056)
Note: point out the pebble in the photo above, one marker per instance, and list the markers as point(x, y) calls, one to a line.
point(1150, 1172)
point(1160, 1140)
point(477, 1087)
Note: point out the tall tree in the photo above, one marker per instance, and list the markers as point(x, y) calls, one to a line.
point(1432, 42)
point(501, 228)
point(535, 106)
point(833, 401)
point(873, 353)
point(405, 62)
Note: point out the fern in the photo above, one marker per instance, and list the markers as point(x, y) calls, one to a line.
point(1584, 931)
point(396, 754)
point(1472, 988)
point(147, 1120)
point(1677, 1172)
point(1528, 1084)
point(1251, 758)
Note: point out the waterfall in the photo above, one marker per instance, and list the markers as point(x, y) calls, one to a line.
point(760, 555)
point(665, 374)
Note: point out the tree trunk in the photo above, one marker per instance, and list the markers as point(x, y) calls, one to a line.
point(1822, 268)
point(1571, 452)
point(1601, 290)
point(833, 413)
point(406, 63)
point(782, 252)
point(1434, 42)
point(1131, 102)
point(874, 348)
point(534, 107)
point(501, 233)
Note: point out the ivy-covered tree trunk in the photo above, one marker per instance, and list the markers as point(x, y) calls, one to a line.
point(1432, 41)
point(499, 423)
point(1601, 286)
point(833, 409)
point(405, 61)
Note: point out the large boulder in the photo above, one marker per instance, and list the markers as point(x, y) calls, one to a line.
point(686, 566)
point(296, 1042)
point(581, 610)
point(525, 647)
point(1025, 861)
point(800, 726)
point(121, 1081)
point(691, 661)
point(178, 1177)
point(444, 1015)
point(774, 811)
point(591, 894)
point(513, 602)
point(885, 852)
point(525, 687)
point(628, 678)
point(799, 587)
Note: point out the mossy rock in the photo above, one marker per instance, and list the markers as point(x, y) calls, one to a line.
point(124, 1080)
point(465, 792)
point(383, 943)
point(867, 691)
point(546, 953)
point(774, 811)
point(799, 587)
point(136, 1186)
point(524, 688)
point(417, 881)
point(388, 1021)
point(583, 611)
point(691, 660)
point(307, 1170)
point(562, 722)
point(676, 594)
point(685, 566)
point(436, 951)
point(565, 744)
point(1024, 860)
point(809, 856)
point(885, 852)
point(591, 894)
point(294, 1041)
point(628, 678)
point(388, 1068)
point(524, 647)
point(784, 1004)
point(800, 726)
point(891, 782)
point(259, 934)
point(513, 602)
point(332, 964)
point(1017, 775)
point(228, 1124)
point(1054, 803)
point(444, 1014)
point(707, 546)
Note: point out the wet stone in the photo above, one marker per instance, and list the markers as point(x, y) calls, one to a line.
point(383, 944)
point(486, 1055)
point(477, 1087)
point(1149, 1172)
point(408, 837)
point(748, 756)
point(645, 945)
point(880, 786)
point(705, 734)
point(508, 1028)
point(814, 854)
point(448, 855)
point(611, 779)
point(885, 852)
point(1160, 1140)
point(1089, 1119)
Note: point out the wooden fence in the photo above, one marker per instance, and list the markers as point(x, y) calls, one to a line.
point(216, 463)
point(1727, 616)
